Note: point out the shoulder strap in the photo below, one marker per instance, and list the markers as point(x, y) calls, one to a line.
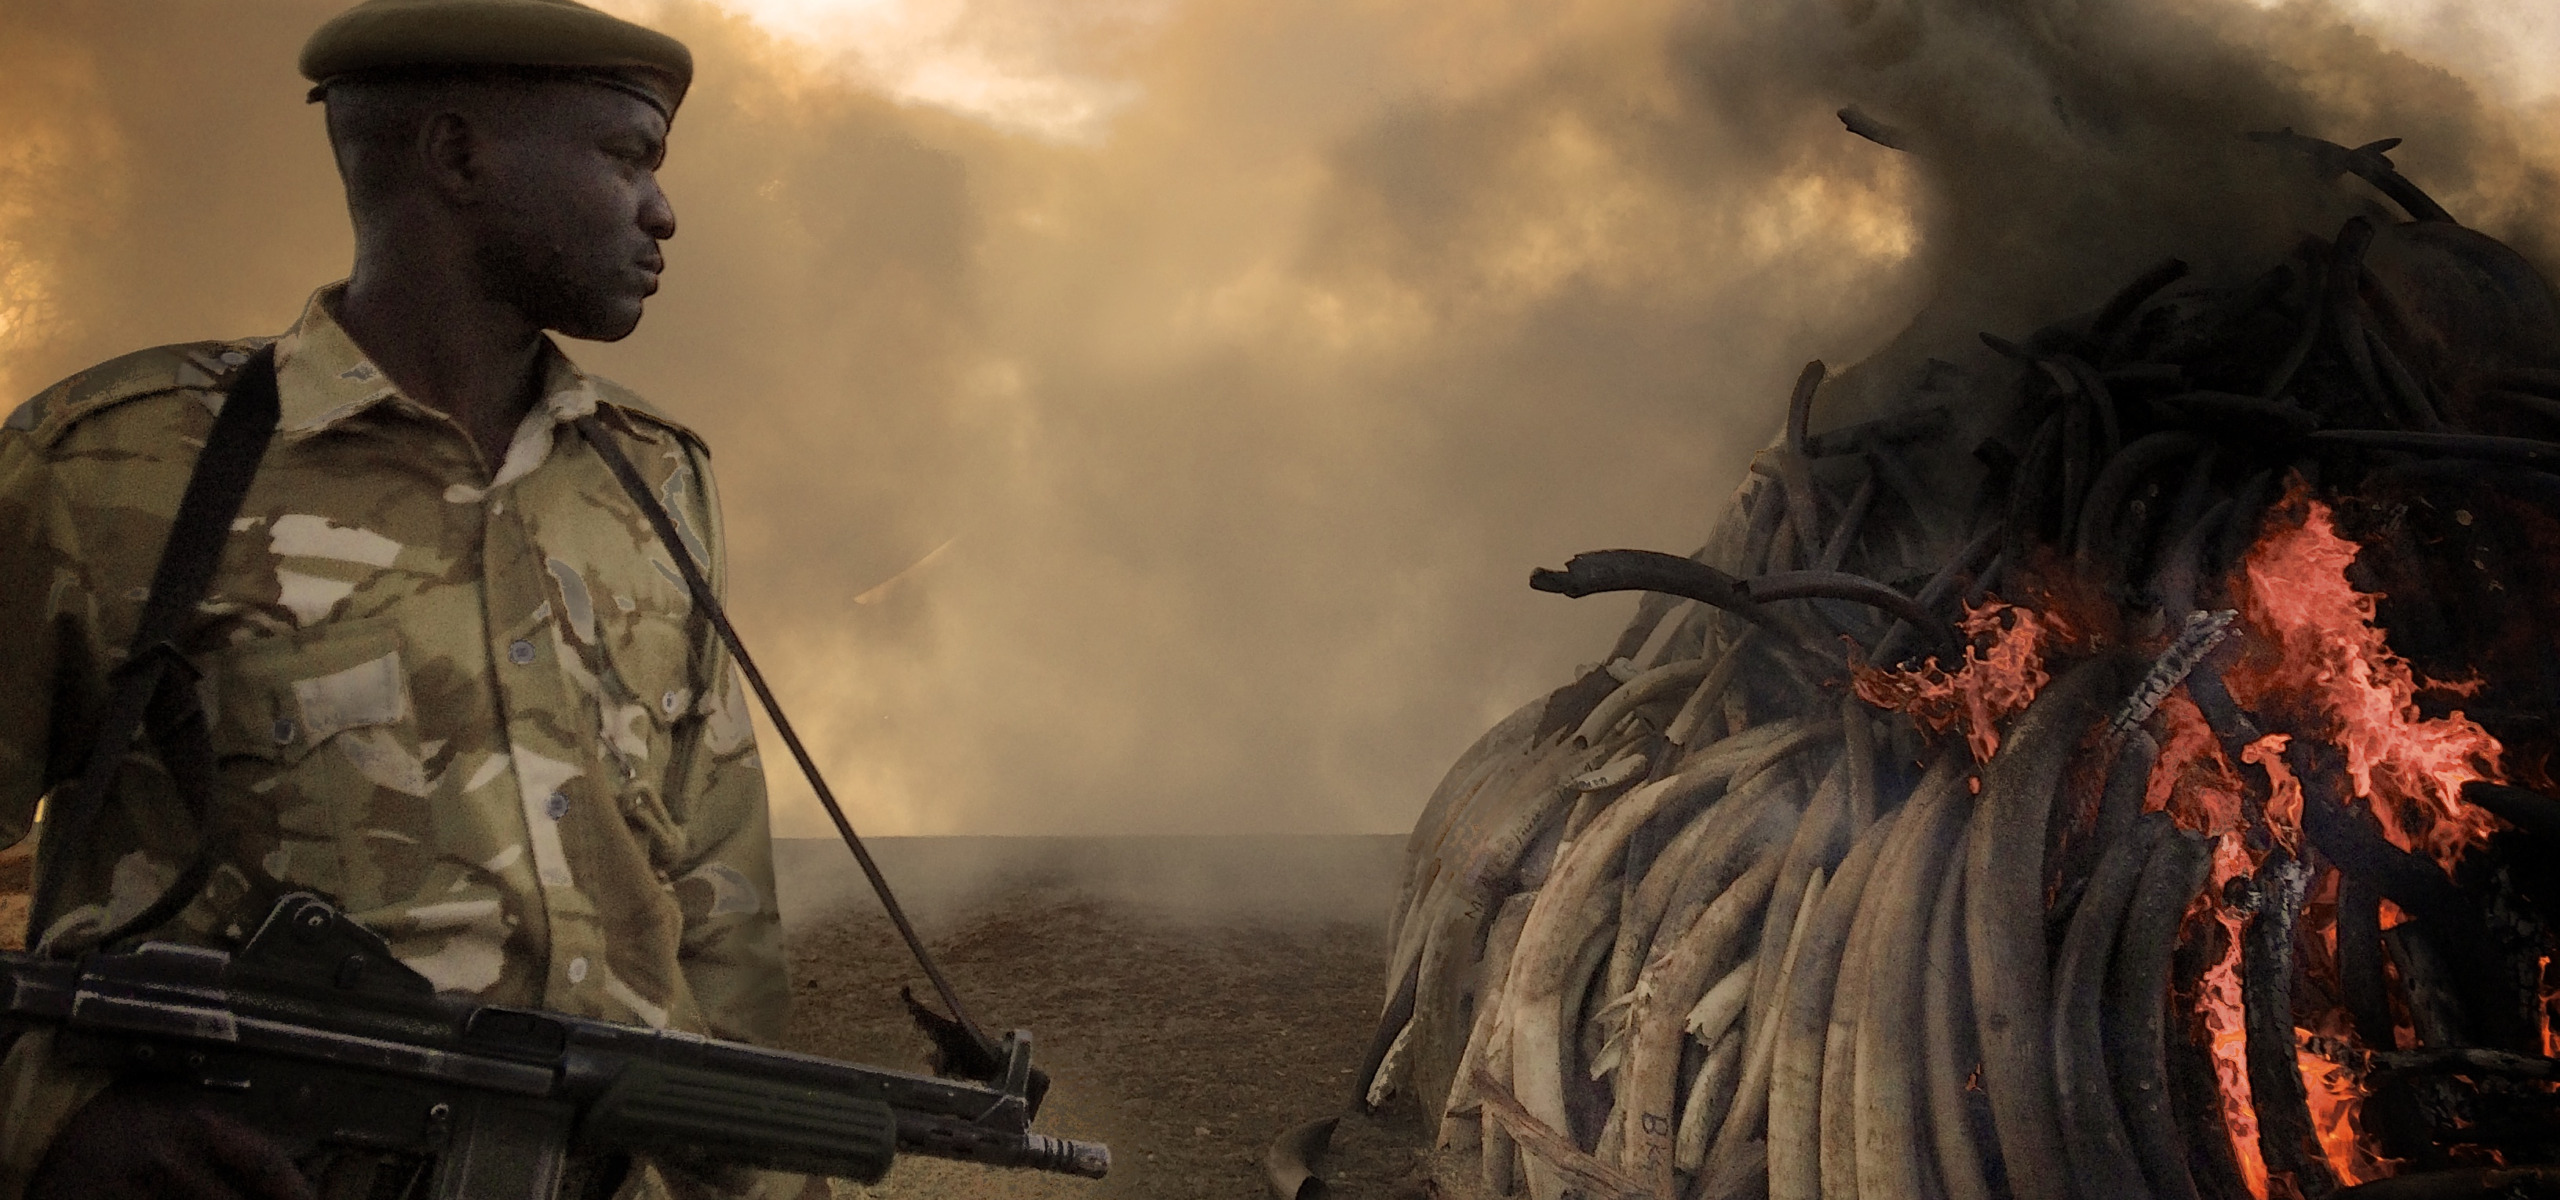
point(620, 464)
point(154, 666)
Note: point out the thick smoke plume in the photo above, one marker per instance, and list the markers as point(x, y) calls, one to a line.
point(1169, 455)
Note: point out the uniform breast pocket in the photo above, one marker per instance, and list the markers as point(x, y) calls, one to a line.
point(318, 728)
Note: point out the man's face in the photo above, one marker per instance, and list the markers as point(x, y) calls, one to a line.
point(570, 232)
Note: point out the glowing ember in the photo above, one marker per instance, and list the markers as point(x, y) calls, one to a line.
point(2003, 669)
point(2317, 660)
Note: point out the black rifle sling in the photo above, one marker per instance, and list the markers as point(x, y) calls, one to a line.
point(155, 685)
point(614, 459)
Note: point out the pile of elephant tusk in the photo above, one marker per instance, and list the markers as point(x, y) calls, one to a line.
point(1718, 920)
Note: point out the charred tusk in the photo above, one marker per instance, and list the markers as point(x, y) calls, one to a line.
point(2094, 1137)
point(2004, 922)
point(2138, 999)
point(2285, 1132)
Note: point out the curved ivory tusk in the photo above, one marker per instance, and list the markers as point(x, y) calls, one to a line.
point(1636, 693)
point(2094, 1137)
point(1532, 995)
point(1710, 1095)
point(1947, 1044)
point(1458, 1128)
point(2004, 921)
point(1802, 1021)
point(1721, 1006)
point(1739, 1136)
point(2137, 1009)
point(1889, 1066)
point(1649, 1085)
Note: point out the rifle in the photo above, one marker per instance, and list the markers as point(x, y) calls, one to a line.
point(316, 1036)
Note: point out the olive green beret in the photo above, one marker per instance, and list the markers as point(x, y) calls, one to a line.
point(385, 36)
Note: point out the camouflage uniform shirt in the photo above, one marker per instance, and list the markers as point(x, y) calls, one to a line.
point(471, 702)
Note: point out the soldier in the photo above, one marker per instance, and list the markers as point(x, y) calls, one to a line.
point(452, 680)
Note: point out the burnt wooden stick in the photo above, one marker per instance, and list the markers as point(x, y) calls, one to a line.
point(2241, 419)
point(2404, 385)
point(2366, 990)
point(2121, 306)
point(2524, 402)
point(2182, 562)
point(1890, 429)
point(1768, 508)
point(1800, 407)
point(2460, 1060)
point(1941, 588)
point(2119, 803)
point(2435, 1003)
point(2106, 494)
point(2102, 404)
point(2079, 454)
point(1858, 122)
point(2095, 1140)
point(2195, 1090)
point(1857, 589)
point(2534, 813)
point(2136, 1018)
point(2543, 381)
point(2286, 1137)
point(2023, 518)
point(2346, 320)
point(1599, 571)
point(2004, 919)
point(2465, 1183)
point(1836, 551)
point(2312, 321)
point(2351, 839)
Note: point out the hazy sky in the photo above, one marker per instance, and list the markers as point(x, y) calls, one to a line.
point(1209, 374)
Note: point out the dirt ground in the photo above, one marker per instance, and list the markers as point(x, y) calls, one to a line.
point(1191, 998)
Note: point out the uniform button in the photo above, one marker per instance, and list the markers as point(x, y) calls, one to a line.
point(578, 970)
point(670, 702)
point(557, 806)
point(520, 653)
point(233, 358)
point(282, 731)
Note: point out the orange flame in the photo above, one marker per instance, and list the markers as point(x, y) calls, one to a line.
point(2225, 1028)
point(2317, 659)
point(2003, 669)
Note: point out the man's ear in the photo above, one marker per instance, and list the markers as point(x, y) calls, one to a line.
point(453, 156)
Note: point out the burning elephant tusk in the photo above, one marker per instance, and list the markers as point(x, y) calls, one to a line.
point(1836, 1127)
point(2094, 1137)
point(2004, 922)
point(2285, 1134)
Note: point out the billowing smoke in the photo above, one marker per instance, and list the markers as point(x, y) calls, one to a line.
point(1161, 444)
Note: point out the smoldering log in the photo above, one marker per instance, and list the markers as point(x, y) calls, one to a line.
point(2286, 1138)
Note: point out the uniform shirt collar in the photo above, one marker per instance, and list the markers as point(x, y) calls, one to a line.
point(323, 378)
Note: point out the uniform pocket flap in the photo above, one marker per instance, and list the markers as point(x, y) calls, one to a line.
point(277, 698)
